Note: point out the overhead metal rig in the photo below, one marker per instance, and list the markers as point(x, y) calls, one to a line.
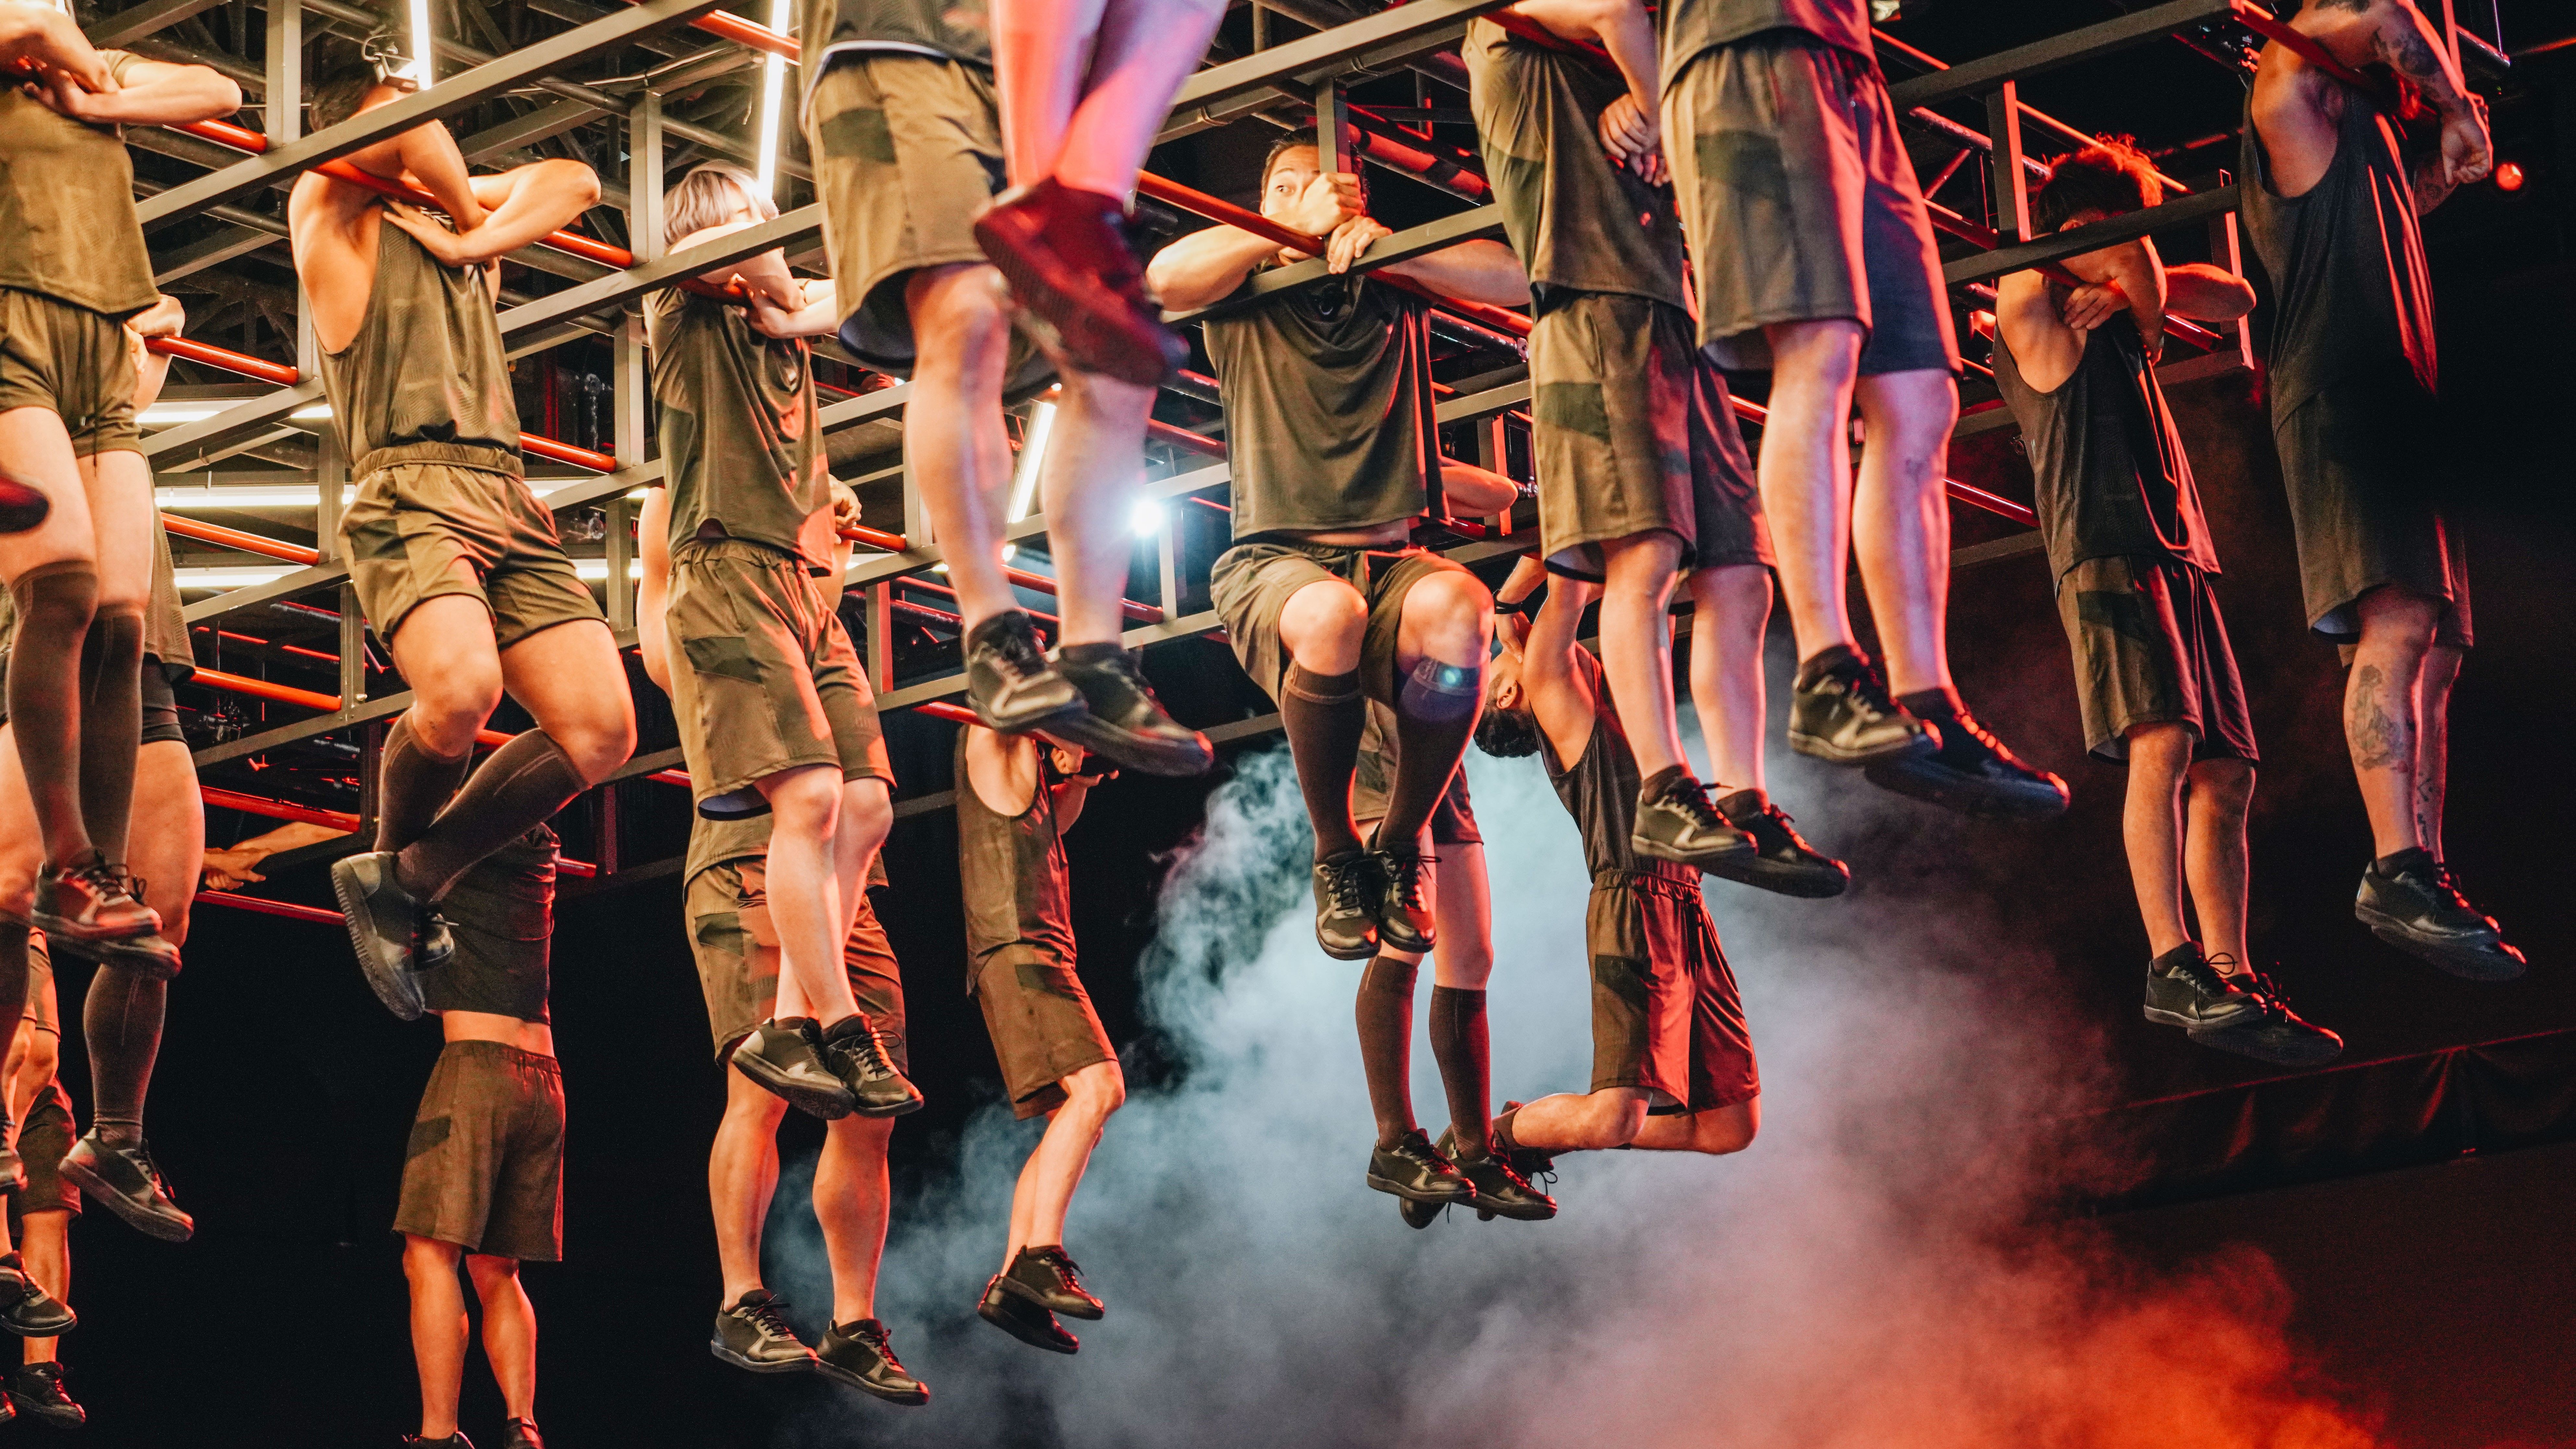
point(290, 704)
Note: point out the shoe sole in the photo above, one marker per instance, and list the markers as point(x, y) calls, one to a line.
point(1026, 720)
point(395, 984)
point(909, 1398)
point(143, 1220)
point(2317, 1053)
point(1706, 862)
point(1360, 952)
point(1805, 882)
point(51, 1418)
point(1412, 945)
point(1152, 754)
point(831, 1107)
point(1487, 1211)
point(161, 965)
point(2490, 964)
point(909, 1105)
point(1817, 747)
point(1978, 800)
point(1029, 1336)
point(1393, 1188)
point(1417, 1215)
point(1110, 342)
point(1026, 1294)
point(51, 1328)
point(717, 1347)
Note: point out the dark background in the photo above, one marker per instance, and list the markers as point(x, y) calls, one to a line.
point(2438, 1293)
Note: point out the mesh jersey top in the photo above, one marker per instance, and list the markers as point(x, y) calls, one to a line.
point(502, 915)
point(425, 380)
point(742, 444)
point(2109, 471)
point(1012, 871)
point(67, 207)
point(1693, 26)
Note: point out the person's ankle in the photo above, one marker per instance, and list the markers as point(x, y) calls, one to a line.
point(1654, 786)
point(1938, 702)
point(117, 1134)
point(1832, 659)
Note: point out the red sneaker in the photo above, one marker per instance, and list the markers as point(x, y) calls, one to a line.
point(1069, 264)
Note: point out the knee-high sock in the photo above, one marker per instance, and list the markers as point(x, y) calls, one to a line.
point(1385, 1013)
point(111, 726)
point(411, 785)
point(122, 1021)
point(525, 782)
point(1465, 1052)
point(13, 981)
point(55, 602)
point(1435, 716)
point(1323, 715)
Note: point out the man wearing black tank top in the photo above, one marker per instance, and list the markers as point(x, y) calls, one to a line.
point(2133, 560)
point(454, 560)
point(2331, 207)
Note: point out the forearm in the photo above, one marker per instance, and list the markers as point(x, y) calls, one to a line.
point(1206, 266)
point(1476, 271)
point(2405, 39)
point(1475, 490)
point(1629, 36)
point(819, 317)
point(429, 155)
point(172, 96)
point(2207, 293)
point(1069, 800)
point(543, 197)
point(1527, 574)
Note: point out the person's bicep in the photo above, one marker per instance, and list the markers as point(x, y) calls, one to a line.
point(1476, 490)
point(2207, 292)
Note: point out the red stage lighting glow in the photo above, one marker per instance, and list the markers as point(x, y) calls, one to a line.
point(2508, 176)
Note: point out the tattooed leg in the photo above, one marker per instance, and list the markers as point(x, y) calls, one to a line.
point(2433, 744)
point(2381, 711)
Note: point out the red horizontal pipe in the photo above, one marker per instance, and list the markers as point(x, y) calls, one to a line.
point(223, 799)
point(234, 538)
point(262, 689)
point(2259, 20)
point(548, 448)
point(1162, 432)
point(875, 538)
point(942, 709)
point(669, 777)
point(916, 581)
point(230, 361)
point(743, 32)
point(265, 907)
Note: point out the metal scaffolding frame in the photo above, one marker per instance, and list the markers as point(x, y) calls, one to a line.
point(206, 223)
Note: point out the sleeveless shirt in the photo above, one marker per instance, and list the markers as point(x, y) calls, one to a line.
point(2109, 471)
point(960, 30)
point(1600, 789)
point(1012, 869)
point(67, 207)
point(426, 379)
point(502, 915)
point(742, 444)
point(1693, 26)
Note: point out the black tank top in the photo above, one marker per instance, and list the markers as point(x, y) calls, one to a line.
point(2351, 294)
point(2108, 466)
point(1013, 874)
point(502, 914)
point(1600, 790)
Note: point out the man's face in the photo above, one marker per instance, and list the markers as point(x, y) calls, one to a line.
point(1295, 169)
point(1503, 680)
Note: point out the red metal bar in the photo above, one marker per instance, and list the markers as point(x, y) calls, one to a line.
point(265, 907)
point(246, 542)
point(266, 371)
point(1136, 613)
point(743, 32)
point(223, 799)
point(262, 689)
point(942, 709)
point(876, 538)
point(566, 453)
point(2259, 20)
point(1162, 432)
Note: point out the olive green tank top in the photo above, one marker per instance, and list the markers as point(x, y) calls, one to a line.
point(742, 445)
point(1600, 789)
point(425, 380)
point(67, 223)
point(1579, 220)
point(503, 914)
point(1012, 871)
point(165, 627)
point(1691, 27)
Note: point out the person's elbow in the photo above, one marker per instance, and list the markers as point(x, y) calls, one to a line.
point(573, 181)
point(1170, 280)
point(221, 94)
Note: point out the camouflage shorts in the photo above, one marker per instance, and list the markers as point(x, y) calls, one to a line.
point(414, 523)
point(72, 362)
point(736, 947)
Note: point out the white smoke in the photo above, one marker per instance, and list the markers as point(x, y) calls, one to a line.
point(1875, 1272)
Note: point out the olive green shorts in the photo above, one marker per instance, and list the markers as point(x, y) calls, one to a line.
point(413, 523)
point(736, 947)
point(1253, 582)
point(73, 362)
point(1453, 820)
point(772, 682)
point(1666, 1015)
point(485, 1167)
point(1634, 433)
point(2151, 648)
point(1042, 1025)
point(907, 153)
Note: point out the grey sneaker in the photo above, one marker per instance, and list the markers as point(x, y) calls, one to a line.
point(2248, 1018)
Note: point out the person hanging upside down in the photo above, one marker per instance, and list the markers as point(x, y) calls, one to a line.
point(1331, 436)
point(1672, 1061)
point(2134, 564)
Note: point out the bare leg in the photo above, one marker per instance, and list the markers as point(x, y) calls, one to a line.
point(438, 1330)
point(2222, 792)
point(1730, 608)
point(850, 1192)
point(953, 436)
point(2151, 828)
point(1086, 85)
point(52, 571)
point(1094, 460)
point(1055, 1169)
point(1464, 903)
point(48, 1252)
point(1717, 1131)
point(804, 887)
point(572, 681)
point(2433, 744)
point(742, 1174)
point(127, 1007)
point(1322, 626)
point(867, 814)
point(1901, 521)
point(509, 1331)
point(445, 651)
point(1581, 1122)
point(1805, 468)
point(1637, 645)
point(2382, 710)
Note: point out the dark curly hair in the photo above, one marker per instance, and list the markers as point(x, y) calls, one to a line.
point(1507, 734)
point(339, 94)
point(2111, 176)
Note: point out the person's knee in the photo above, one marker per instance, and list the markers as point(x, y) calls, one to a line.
point(60, 598)
point(491, 1274)
point(1096, 1090)
point(1323, 625)
point(804, 802)
point(2160, 751)
point(44, 1056)
point(599, 740)
point(450, 704)
point(2227, 784)
point(862, 1138)
point(427, 1258)
point(1613, 1118)
point(959, 320)
point(2397, 623)
point(1099, 403)
point(867, 812)
point(1452, 614)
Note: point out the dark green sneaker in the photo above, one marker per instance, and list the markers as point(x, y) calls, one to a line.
point(2249, 1018)
point(861, 1355)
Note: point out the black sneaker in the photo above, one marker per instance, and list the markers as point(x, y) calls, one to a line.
point(1415, 1170)
point(1402, 909)
point(2416, 906)
point(522, 1434)
point(854, 1051)
point(785, 1058)
point(36, 1390)
point(126, 1182)
point(396, 935)
point(1680, 826)
point(26, 1309)
point(1125, 722)
point(753, 1334)
point(1046, 1277)
point(1009, 683)
point(2248, 1018)
point(456, 1440)
point(1501, 1192)
point(13, 1169)
point(1023, 1320)
point(1972, 772)
point(1419, 1215)
point(83, 908)
point(861, 1355)
point(1840, 711)
point(1345, 885)
point(1781, 860)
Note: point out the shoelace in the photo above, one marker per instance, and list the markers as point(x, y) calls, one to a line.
point(874, 1335)
point(2446, 888)
point(868, 1048)
point(1691, 798)
point(1346, 881)
point(2258, 987)
point(1404, 878)
point(152, 1173)
point(1062, 1264)
point(104, 879)
point(766, 1317)
point(1865, 685)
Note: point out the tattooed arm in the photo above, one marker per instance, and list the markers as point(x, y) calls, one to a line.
point(2297, 107)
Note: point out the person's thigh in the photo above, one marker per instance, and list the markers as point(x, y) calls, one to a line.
point(1251, 587)
point(167, 845)
point(570, 678)
point(22, 848)
point(444, 649)
point(35, 450)
point(119, 488)
point(1436, 607)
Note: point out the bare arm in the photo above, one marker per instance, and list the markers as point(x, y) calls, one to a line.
point(1560, 694)
point(819, 317)
point(232, 868)
point(533, 200)
point(2296, 106)
point(2028, 319)
point(1471, 489)
point(148, 93)
point(1631, 129)
point(1073, 790)
point(766, 275)
point(1475, 271)
point(44, 36)
point(2138, 274)
point(653, 590)
point(2207, 293)
point(1206, 266)
point(425, 156)
point(164, 318)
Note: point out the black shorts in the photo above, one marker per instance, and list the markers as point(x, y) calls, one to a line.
point(1666, 1015)
point(160, 706)
point(2362, 462)
point(1254, 580)
point(2151, 648)
point(1042, 1024)
point(485, 1166)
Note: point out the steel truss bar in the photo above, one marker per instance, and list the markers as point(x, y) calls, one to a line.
point(1374, 43)
point(137, 21)
point(1986, 266)
point(2022, 62)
